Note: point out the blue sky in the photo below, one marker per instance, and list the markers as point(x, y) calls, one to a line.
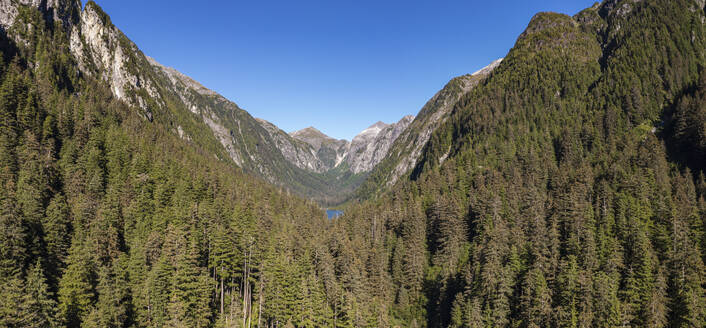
point(338, 65)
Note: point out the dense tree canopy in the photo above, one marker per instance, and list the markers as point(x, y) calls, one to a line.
point(566, 190)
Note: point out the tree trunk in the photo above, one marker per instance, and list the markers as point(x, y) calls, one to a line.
point(259, 305)
point(249, 313)
point(232, 299)
point(246, 287)
point(221, 291)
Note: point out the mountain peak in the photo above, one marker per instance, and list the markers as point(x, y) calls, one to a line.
point(379, 124)
point(407, 118)
point(486, 70)
point(309, 132)
point(314, 137)
point(174, 74)
point(372, 130)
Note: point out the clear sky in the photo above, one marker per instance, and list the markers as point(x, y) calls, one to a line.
point(337, 65)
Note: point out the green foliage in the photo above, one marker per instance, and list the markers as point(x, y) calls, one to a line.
point(39, 305)
point(567, 164)
point(562, 200)
point(76, 287)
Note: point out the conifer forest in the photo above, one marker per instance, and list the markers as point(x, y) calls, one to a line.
point(567, 188)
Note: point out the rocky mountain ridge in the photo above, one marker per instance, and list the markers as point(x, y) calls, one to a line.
point(163, 95)
point(362, 153)
point(306, 161)
point(160, 94)
point(64, 11)
point(404, 153)
point(370, 146)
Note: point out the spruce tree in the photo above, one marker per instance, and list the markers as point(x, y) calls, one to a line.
point(76, 286)
point(38, 308)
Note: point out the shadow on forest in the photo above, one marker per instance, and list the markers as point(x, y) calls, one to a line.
point(683, 128)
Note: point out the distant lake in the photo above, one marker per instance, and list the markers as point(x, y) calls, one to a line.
point(332, 214)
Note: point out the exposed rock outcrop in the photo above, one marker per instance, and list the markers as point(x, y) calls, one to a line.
point(295, 151)
point(369, 147)
point(103, 50)
point(362, 153)
point(64, 11)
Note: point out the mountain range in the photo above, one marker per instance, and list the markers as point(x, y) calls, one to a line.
point(563, 185)
point(305, 161)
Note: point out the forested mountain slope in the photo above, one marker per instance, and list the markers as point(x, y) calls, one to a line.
point(565, 189)
point(109, 219)
point(406, 150)
point(169, 97)
point(163, 94)
point(343, 165)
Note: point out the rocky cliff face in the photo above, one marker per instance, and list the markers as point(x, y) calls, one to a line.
point(64, 11)
point(297, 152)
point(328, 151)
point(362, 153)
point(430, 117)
point(370, 146)
point(102, 50)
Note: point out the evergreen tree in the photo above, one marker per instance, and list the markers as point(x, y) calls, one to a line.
point(12, 292)
point(56, 225)
point(76, 289)
point(111, 309)
point(564, 189)
point(38, 308)
point(189, 304)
